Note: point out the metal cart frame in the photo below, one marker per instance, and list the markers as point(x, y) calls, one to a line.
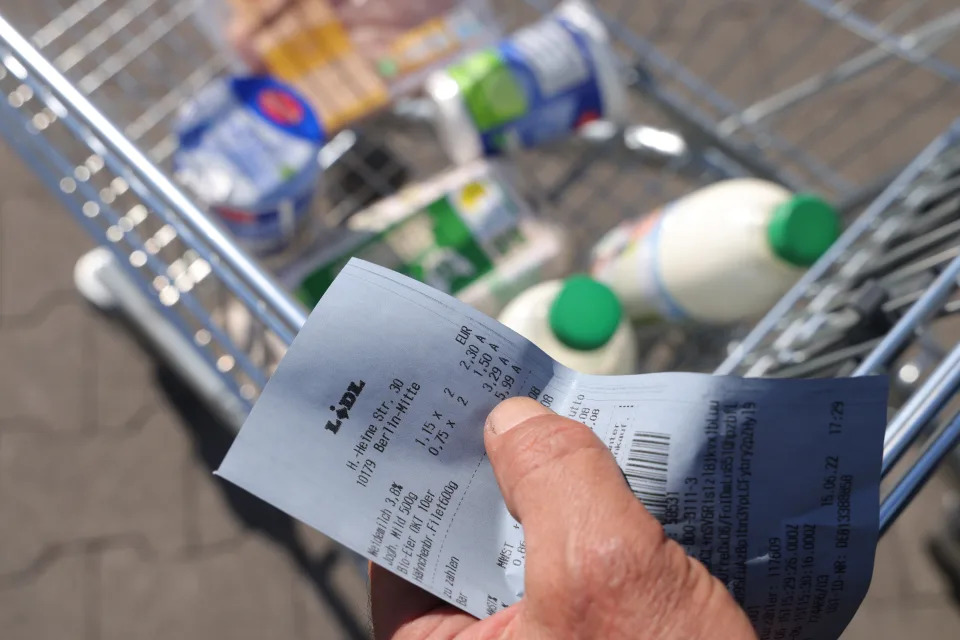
point(169, 268)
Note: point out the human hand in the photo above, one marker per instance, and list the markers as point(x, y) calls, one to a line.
point(597, 564)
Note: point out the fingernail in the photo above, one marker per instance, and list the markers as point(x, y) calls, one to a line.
point(513, 412)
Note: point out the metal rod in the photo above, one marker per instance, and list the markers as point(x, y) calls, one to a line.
point(702, 32)
point(900, 122)
point(931, 300)
point(864, 195)
point(747, 47)
point(68, 18)
point(760, 167)
point(860, 226)
point(861, 99)
point(913, 480)
point(156, 266)
point(47, 168)
point(134, 48)
point(101, 34)
point(920, 409)
point(132, 238)
point(906, 46)
point(933, 35)
point(169, 102)
point(288, 311)
point(787, 59)
point(666, 18)
point(697, 120)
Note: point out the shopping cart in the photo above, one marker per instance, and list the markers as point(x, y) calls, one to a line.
point(835, 97)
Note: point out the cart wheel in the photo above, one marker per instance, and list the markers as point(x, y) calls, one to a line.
point(86, 277)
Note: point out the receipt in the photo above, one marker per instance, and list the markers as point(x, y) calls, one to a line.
point(371, 432)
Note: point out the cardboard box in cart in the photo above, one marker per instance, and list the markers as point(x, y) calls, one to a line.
point(350, 58)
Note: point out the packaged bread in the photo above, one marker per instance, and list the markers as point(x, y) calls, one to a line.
point(351, 57)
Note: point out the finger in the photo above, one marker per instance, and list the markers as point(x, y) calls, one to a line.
point(401, 610)
point(556, 475)
point(590, 543)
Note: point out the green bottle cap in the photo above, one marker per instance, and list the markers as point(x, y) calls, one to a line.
point(585, 314)
point(802, 229)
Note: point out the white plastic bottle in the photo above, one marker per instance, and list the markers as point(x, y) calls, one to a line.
point(579, 322)
point(722, 254)
point(539, 84)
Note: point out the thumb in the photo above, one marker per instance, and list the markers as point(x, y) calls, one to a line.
point(596, 560)
point(556, 476)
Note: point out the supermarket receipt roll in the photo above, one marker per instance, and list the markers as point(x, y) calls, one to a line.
point(371, 431)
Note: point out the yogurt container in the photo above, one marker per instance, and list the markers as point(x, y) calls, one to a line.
point(248, 150)
point(722, 254)
point(540, 84)
point(578, 322)
point(466, 232)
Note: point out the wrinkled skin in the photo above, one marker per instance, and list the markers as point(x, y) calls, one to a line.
point(597, 565)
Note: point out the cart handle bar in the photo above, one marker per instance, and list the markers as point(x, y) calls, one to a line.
point(267, 293)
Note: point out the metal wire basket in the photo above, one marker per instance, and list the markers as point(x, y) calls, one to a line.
point(835, 97)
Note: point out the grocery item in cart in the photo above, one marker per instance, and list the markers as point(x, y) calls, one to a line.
point(403, 37)
point(722, 254)
point(578, 322)
point(467, 232)
point(350, 57)
point(248, 150)
point(540, 84)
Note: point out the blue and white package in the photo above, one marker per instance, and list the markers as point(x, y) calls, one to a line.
point(540, 84)
point(248, 150)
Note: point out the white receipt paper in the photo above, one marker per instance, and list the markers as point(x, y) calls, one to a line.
point(371, 432)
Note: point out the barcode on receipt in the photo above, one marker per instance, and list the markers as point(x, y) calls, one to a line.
point(646, 470)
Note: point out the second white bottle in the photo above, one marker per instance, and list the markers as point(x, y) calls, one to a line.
point(578, 322)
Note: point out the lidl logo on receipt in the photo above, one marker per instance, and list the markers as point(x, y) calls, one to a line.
point(342, 409)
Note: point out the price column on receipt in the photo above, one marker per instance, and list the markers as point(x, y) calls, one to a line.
point(371, 431)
